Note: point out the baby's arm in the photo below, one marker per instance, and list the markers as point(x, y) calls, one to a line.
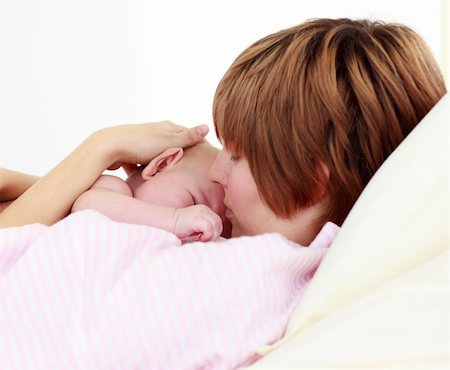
point(197, 222)
point(106, 195)
point(112, 196)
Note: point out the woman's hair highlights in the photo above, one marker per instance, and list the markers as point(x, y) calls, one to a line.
point(338, 93)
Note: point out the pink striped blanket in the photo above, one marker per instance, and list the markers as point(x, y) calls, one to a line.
point(91, 293)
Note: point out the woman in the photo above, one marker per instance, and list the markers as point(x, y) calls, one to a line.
point(50, 198)
point(306, 116)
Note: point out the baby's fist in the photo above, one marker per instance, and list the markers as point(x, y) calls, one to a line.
point(197, 222)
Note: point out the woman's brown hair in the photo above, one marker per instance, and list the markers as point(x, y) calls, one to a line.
point(339, 94)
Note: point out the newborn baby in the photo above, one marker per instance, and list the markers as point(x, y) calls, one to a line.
point(172, 192)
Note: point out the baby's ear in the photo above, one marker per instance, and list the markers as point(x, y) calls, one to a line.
point(167, 159)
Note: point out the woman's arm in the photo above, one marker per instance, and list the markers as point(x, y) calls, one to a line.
point(13, 184)
point(52, 196)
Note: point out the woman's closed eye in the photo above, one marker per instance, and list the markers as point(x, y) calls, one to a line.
point(234, 158)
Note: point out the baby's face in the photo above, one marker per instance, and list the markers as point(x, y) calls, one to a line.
point(183, 186)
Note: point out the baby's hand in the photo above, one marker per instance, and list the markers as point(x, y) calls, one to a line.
point(198, 220)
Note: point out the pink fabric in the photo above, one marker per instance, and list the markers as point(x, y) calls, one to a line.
point(91, 293)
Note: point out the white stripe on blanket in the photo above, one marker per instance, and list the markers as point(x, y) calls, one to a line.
point(89, 292)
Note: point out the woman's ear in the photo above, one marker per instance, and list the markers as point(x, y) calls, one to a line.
point(167, 159)
point(324, 178)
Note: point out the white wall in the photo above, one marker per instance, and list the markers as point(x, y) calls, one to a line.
point(70, 67)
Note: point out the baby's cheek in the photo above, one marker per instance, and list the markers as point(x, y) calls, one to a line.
point(178, 203)
point(164, 197)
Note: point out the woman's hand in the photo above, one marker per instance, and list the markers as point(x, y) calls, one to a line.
point(51, 198)
point(132, 144)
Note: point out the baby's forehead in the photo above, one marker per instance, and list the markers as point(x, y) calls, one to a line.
point(201, 154)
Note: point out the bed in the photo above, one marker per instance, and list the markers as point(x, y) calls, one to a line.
point(380, 298)
point(83, 293)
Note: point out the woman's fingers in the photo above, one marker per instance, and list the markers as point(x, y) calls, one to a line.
point(190, 136)
point(140, 143)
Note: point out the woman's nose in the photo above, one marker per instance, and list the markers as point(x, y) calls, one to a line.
point(217, 171)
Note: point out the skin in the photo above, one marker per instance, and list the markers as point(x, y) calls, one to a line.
point(47, 200)
point(12, 185)
point(179, 197)
point(248, 213)
point(51, 197)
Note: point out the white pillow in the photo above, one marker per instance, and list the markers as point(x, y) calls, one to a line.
point(398, 225)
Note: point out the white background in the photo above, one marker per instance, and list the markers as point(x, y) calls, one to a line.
point(69, 67)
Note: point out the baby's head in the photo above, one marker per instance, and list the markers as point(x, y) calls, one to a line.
point(179, 179)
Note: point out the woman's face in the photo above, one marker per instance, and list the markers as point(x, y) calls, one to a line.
point(249, 214)
point(246, 211)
